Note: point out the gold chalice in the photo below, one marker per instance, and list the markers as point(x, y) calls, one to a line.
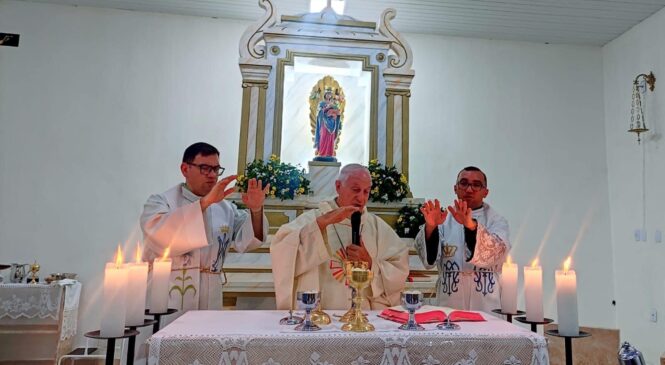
point(348, 267)
point(359, 278)
point(34, 269)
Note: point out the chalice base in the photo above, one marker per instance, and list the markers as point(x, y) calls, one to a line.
point(411, 327)
point(447, 326)
point(307, 327)
point(320, 317)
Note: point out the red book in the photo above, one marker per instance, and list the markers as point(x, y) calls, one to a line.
point(434, 316)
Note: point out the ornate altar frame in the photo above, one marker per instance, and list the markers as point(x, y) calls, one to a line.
point(273, 42)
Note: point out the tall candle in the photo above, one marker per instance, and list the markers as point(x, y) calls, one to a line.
point(533, 292)
point(137, 285)
point(159, 287)
point(509, 287)
point(114, 298)
point(566, 300)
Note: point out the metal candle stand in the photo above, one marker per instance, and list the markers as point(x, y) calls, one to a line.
point(132, 340)
point(534, 324)
point(509, 316)
point(568, 342)
point(110, 342)
point(158, 317)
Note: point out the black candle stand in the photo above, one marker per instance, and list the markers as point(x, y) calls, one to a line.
point(534, 324)
point(158, 317)
point(132, 340)
point(509, 316)
point(568, 343)
point(110, 342)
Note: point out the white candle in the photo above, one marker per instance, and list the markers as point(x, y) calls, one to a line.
point(159, 287)
point(137, 285)
point(533, 292)
point(114, 298)
point(566, 300)
point(509, 272)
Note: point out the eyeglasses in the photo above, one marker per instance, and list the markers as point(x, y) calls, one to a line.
point(207, 169)
point(475, 186)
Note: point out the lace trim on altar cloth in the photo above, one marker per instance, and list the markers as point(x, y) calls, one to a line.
point(355, 349)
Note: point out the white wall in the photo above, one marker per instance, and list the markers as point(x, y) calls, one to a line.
point(97, 105)
point(638, 267)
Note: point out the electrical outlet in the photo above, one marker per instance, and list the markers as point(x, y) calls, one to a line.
point(637, 234)
point(653, 317)
point(658, 236)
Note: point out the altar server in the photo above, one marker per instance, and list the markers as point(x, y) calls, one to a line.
point(198, 225)
point(468, 243)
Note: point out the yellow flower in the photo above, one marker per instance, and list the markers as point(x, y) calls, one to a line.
point(402, 178)
point(274, 158)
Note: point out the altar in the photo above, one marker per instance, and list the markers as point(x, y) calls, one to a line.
point(256, 337)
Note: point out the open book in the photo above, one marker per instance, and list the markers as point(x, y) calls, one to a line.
point(431, 316)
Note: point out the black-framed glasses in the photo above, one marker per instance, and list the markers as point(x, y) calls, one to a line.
point(207, 169)
point(475, 186)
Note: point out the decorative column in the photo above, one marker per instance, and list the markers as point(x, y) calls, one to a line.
point(255, 69)
point(398, 77)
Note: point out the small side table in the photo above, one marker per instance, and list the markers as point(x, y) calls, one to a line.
point(568, 342)
point(110, 342)
point(534, 324)
point(158, 317)
point(132, 340)
point(509, 316)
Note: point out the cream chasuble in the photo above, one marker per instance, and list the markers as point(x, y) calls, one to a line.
point(305, 259)
point(198, 243)
point(472, 284)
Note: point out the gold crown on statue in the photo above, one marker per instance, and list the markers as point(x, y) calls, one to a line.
point(449, 251)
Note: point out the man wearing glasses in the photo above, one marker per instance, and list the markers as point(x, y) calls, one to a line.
point(468, 243)
point(198, 225)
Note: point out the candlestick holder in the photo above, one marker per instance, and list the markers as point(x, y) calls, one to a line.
point(568, 344)
point(110, 342)
point(158, 317)
point(534, 324)
point(509, 316)
point(131, 346)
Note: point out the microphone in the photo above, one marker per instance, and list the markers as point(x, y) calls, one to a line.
point(355, 228)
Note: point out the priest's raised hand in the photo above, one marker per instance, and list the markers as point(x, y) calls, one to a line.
point(463, 214)
point(434, 216)
point(255, 195)
point(335, 216)
point(218, 192)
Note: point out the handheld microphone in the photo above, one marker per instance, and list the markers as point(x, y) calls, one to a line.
point(355, 228)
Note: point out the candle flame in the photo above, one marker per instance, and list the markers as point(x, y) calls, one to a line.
point(566, 264)
point(138, 253)
point(509, 260)
point(166, 253)
point(118, 258)
point(534, 263)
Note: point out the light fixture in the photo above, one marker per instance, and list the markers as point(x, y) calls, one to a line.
point(316, 6)
point(637, 122)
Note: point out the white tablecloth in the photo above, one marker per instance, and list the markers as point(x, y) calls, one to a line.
point(255, 337)
point(40, 304)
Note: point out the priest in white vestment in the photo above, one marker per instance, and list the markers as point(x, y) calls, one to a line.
point(309, 253)
point(468, 243)
point(198, 226)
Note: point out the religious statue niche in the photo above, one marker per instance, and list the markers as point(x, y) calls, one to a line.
point(326, 105)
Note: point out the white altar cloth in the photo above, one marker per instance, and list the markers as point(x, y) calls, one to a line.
point(255, 337)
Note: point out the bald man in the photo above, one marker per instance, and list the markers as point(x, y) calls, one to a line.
point(308, 253)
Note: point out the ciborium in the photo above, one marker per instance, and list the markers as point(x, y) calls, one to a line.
point(308, 301)
point(359, 279)
point(348, 266)
point(412, 300)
